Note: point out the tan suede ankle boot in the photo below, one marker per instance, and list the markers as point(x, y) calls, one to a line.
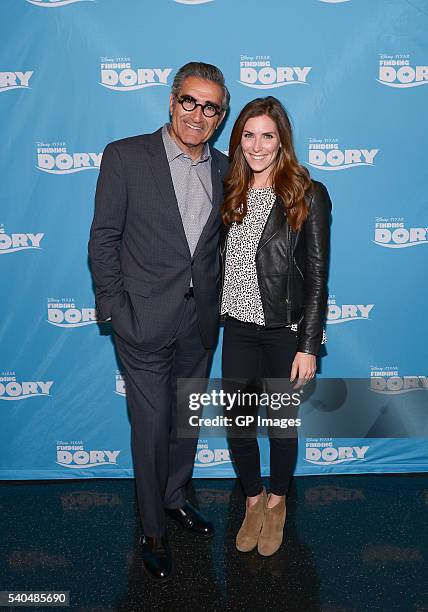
point(271, 535)
point(248, 535)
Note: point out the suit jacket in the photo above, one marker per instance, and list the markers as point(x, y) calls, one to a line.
point(140, 259)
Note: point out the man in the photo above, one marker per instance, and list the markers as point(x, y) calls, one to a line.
point(154, 258)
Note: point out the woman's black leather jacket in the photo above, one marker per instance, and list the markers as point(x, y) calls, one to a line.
point(292, 269)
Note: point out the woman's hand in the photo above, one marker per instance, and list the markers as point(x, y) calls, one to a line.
point(303, 368)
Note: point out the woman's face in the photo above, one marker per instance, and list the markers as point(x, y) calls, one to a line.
point(260, 144)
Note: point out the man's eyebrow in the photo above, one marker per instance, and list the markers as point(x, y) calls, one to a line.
point(184, 95)
point(212, 103)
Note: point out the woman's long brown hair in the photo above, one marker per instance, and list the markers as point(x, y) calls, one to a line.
point(290, 180)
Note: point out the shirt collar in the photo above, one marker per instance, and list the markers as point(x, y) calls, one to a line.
point(173, 150)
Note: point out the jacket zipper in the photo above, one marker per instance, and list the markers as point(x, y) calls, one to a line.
point(300, 272)
point(290, 267)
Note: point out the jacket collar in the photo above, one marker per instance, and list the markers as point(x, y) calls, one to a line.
point(217, 191)
point(277, 218)
point(160, 169)
point(158, 162)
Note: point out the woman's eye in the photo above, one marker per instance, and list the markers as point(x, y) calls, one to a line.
point(248, 135)
point(268, 136)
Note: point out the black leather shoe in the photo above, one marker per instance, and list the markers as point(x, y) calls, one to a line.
point(156, 555)
point(190, 518)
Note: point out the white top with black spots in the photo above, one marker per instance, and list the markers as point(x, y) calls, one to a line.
point(241, 294)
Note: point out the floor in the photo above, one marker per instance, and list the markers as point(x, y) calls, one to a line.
point(352, 543)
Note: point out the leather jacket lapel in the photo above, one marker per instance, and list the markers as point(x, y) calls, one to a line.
point(277, 218)
point(308, 200)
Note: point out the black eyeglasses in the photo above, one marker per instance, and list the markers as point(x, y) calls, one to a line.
point(188, 104)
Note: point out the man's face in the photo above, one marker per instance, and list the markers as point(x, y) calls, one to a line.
point(192, 129)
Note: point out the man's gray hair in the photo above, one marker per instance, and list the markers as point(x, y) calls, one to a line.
point(207, 72)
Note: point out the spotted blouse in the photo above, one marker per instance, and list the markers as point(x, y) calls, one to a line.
point(241, 294)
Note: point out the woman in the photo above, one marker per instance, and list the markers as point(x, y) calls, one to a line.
point(275, 254)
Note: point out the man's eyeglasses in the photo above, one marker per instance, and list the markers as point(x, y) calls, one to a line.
point(188, 104)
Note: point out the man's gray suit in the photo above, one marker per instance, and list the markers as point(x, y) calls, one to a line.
point(143, 268)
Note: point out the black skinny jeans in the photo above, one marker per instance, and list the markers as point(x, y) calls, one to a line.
point(251, 352)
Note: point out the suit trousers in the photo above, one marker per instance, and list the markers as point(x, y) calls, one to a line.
point(163, 463)
point(252, 352)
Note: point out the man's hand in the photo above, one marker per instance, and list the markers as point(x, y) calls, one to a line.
point(303, 368)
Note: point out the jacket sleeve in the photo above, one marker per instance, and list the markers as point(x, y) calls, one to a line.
point(317, 238)
point(106, 230)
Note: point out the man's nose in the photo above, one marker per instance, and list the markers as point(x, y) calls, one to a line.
point(197, 114)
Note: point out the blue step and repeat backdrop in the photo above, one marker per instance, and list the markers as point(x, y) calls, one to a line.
point(76, 74)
